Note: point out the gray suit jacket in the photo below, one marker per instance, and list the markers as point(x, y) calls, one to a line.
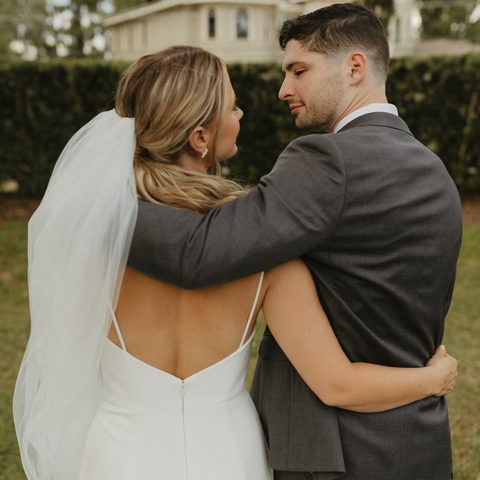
point(376, 217)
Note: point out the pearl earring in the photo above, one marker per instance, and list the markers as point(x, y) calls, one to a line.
point(204, 154)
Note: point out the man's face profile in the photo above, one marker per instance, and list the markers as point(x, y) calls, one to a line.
point(313, 87)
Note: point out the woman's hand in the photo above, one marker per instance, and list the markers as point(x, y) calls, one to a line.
point(447, 371)
point(302, 330)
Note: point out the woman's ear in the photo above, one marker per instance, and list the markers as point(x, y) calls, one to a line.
point(199, 139)
point(358, 67)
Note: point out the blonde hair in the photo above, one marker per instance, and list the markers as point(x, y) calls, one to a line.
point(169, 94)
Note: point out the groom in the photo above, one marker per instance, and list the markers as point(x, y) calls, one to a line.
point(377, 219)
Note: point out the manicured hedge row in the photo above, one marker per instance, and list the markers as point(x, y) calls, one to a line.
point(439, 99)
point(43, 104)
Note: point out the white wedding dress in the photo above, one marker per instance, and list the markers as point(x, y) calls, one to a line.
point(151, 425)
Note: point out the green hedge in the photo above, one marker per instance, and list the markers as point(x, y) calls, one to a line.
point(43, 104)
point(439, 99)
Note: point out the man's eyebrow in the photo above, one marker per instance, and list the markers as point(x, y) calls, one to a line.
point(293, 64)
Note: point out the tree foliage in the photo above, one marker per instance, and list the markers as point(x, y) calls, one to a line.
point(32, 29)
point(21, 20)
point(383, 9)
point(454, 19)
point(121, 5)
point(75, 30)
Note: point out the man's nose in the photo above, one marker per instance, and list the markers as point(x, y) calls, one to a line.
point(285, 90)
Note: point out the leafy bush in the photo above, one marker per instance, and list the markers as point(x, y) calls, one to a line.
point(44, 104)
point(439, 99)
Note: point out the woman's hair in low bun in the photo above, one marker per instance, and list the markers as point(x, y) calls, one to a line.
point(169, 94)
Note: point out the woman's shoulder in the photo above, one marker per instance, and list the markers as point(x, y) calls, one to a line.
point(292, 271)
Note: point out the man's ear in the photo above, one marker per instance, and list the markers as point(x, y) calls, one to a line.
point(357, 63)
point(199, 139)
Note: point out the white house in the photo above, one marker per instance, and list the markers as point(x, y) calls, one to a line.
point(236, 30)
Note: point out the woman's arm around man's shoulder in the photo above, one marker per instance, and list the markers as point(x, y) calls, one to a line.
point(292, 211)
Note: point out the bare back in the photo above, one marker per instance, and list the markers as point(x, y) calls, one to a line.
point(181, 331)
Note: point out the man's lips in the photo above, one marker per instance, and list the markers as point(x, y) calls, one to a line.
point(295, 108)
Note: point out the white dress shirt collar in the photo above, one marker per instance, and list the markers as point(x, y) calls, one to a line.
point(372, 108)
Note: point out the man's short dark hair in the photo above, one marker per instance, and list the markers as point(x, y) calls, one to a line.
point(337, 29)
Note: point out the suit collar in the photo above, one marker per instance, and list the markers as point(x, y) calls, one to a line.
point(370, 108)
point(377, 119)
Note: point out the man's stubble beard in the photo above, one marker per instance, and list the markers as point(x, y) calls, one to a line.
point(314, 120)
point(311, 124)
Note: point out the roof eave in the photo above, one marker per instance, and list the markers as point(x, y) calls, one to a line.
point(144, 10)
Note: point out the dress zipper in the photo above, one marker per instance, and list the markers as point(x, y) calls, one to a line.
point(184, 434)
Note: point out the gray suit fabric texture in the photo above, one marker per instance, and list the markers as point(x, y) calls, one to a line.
point(377, 219)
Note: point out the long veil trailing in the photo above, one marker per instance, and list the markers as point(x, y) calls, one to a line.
point(78, 243)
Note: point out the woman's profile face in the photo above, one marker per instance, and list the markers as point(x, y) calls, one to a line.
point(226, 146)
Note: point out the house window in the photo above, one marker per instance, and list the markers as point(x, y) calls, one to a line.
point(116, 36)
point(280, 19)
point(211, 23)
point(242, 24)
point(397, 30)
point(144, 33)
point(130, 34)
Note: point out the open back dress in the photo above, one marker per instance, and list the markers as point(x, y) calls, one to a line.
point(152, 425)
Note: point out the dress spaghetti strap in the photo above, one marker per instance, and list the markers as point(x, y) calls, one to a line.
point(117, 328)
point(252, 311)
point(253, 308)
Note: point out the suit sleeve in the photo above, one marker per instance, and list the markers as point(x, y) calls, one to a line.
point(293, 210)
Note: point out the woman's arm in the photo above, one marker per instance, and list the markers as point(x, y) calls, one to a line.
point(286, 216)
point(302, 330)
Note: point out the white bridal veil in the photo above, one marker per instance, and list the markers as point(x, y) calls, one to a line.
point(78, 243)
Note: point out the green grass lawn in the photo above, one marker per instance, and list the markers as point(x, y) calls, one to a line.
point(14, 329)
point(462, 338)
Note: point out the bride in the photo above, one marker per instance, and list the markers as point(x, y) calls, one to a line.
point(125, 377)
